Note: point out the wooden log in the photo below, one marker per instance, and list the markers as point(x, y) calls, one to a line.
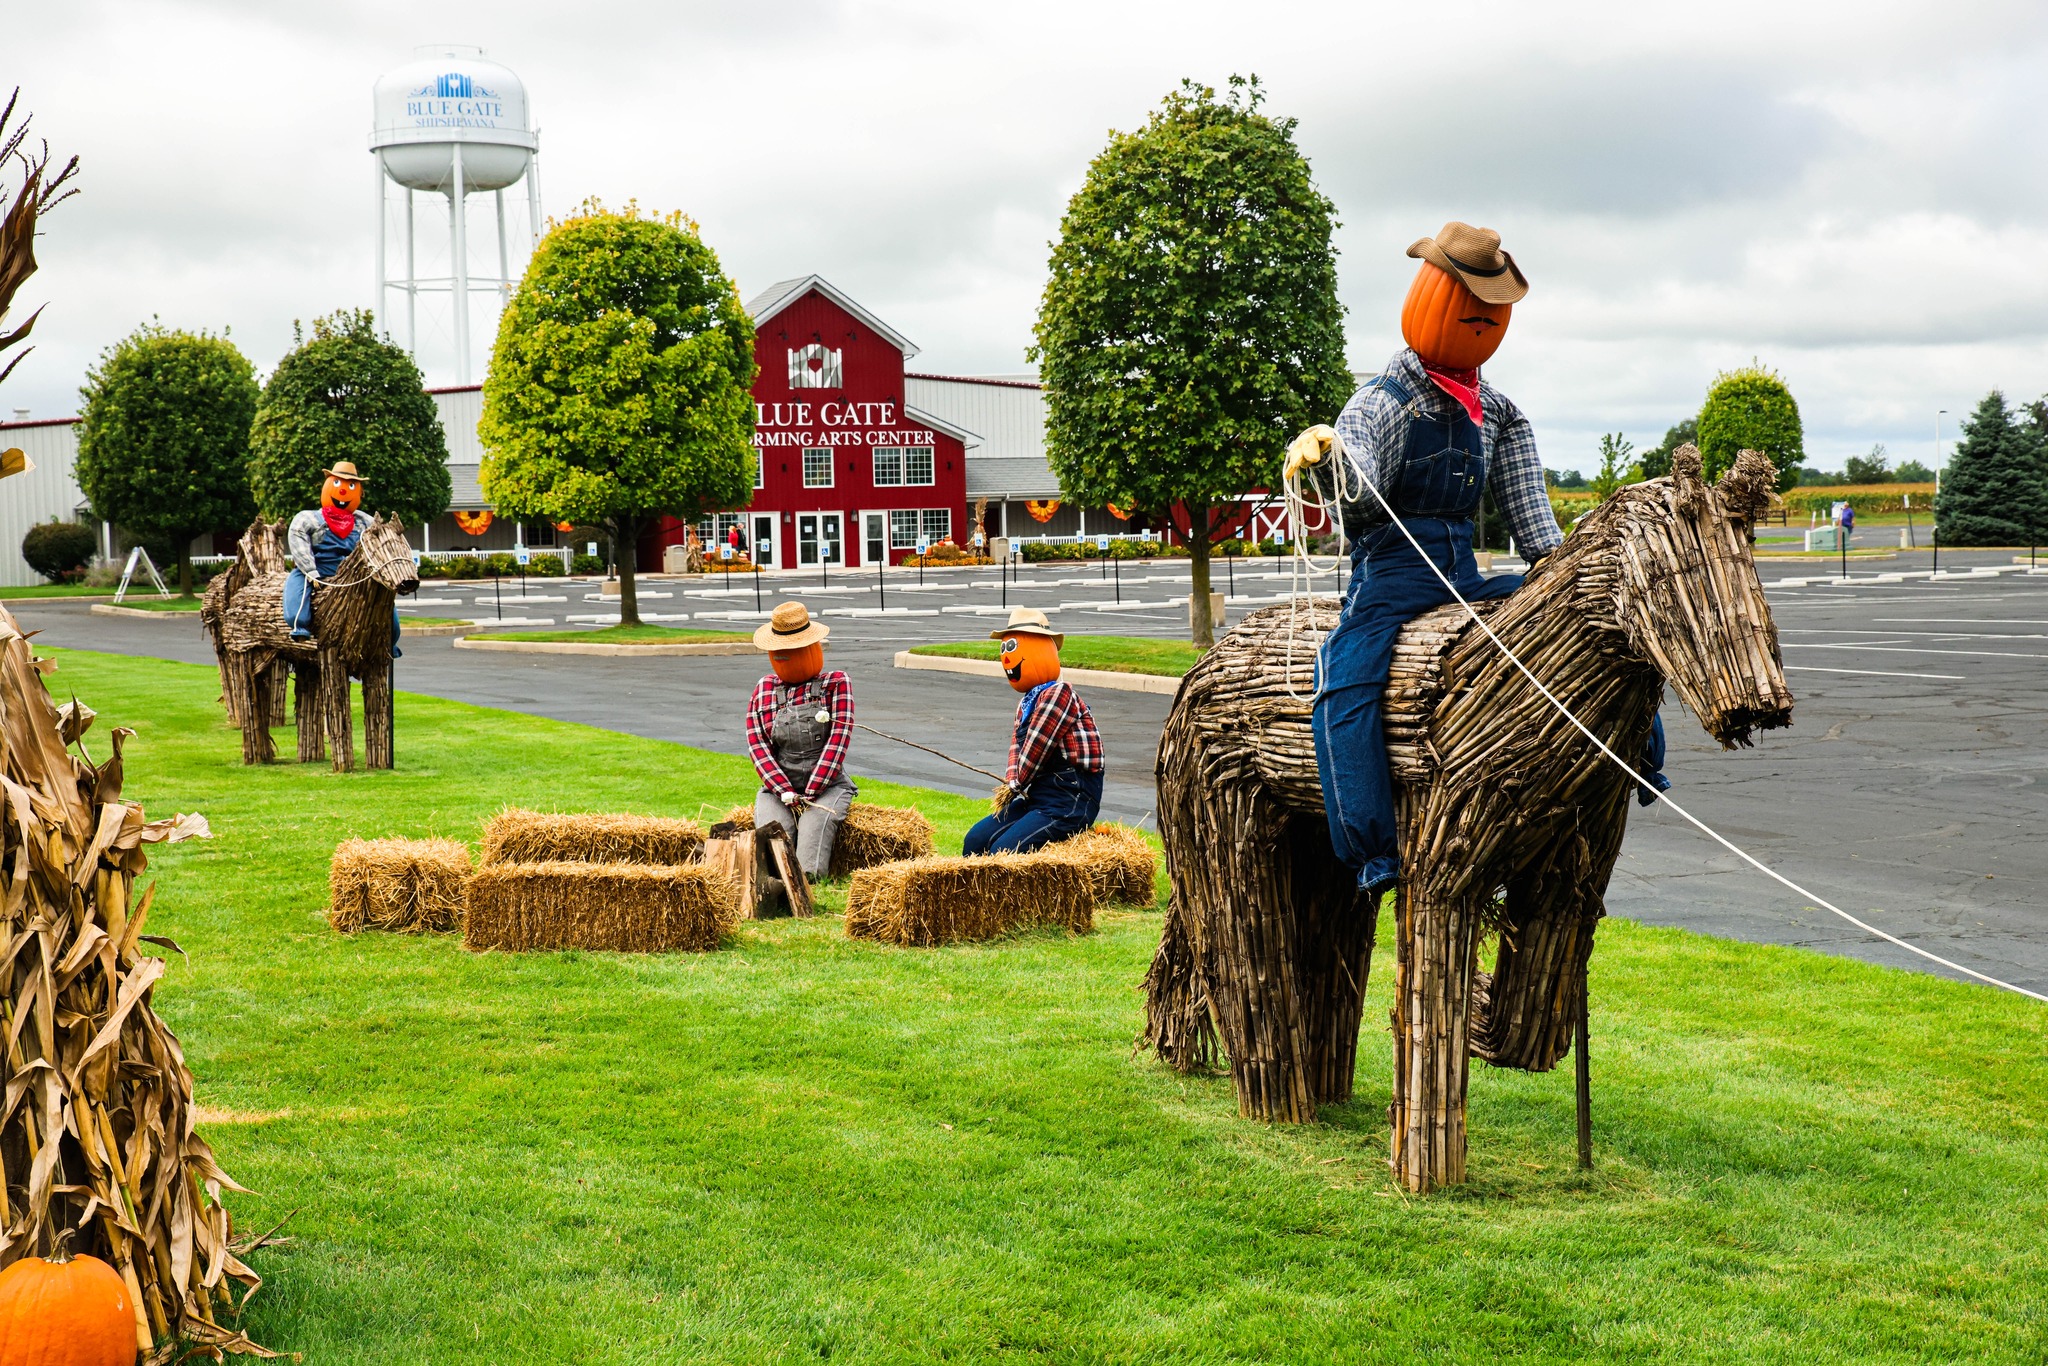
point(795, 885)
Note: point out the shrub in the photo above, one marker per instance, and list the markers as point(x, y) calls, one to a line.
point(59, 551)
point(1751, 409)
point(589, 564)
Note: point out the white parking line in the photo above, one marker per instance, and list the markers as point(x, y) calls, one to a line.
point(1910, 650)
point(1871, 673)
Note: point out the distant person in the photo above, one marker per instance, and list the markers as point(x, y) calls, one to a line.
point(799, 727)
point(1848, 523)
point(1053, 787)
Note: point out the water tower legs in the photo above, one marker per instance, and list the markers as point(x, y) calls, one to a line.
point(504, 261)
point(458, 245)
point(383, 280)
point(412, 287)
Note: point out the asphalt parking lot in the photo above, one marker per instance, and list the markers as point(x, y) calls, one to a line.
point(1909, 790)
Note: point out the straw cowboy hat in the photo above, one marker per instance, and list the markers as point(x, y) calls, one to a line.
point(346, 469)
point(1028, 621)
point(1474, 256)
point(789, 628)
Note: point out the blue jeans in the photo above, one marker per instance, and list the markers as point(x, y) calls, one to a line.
point(1055, 806)
point(298, 610)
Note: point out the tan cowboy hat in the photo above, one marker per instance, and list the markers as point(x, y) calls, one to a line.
point(1028, 621)
point(789, 627)
point(346, 469)
point(1474, 256)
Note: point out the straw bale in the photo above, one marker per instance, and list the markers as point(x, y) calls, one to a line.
point(406, 886)
point(922, 902)
point(869, 837)
point(519, 836)
point(624, 907)
point(1119, 862)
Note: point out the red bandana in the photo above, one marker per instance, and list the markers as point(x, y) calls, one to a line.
point(1462, 385)
point(340, 521)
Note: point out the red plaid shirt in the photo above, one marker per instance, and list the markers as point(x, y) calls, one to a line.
point(831, 689)
point(1059, 717)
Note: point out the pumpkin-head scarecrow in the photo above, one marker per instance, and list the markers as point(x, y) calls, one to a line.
point(799, 727)
point(319, 539)
point(1053, 786)
point(1419, 445)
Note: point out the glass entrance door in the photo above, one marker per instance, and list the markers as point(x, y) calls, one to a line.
point(818, 537)
point(764, 539)
point(875, 526)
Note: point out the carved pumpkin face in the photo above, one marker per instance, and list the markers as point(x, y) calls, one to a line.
point(1448, 325)
point(1029, 660)
point(799, 665)
point(345, 494)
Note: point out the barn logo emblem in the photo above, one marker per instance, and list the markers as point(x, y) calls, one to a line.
point(814, 367)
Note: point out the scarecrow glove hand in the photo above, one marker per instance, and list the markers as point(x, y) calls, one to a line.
point(1310, 447)
point(789, 799)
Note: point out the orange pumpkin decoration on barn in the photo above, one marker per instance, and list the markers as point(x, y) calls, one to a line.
point(1447, 324)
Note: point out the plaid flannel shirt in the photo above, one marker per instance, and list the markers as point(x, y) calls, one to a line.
point(831, 688)
point(1373, 425)
point(1058, 717)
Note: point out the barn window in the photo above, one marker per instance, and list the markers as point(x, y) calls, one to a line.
point(917, 465)
point(818, 469)
point(888, 466)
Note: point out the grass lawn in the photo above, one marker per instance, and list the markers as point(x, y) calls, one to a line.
point(1116, 654)
point(804, 1148)
point(620, 635)
point(55, 590)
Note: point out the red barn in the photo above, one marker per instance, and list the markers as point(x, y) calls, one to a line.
point(849, 472)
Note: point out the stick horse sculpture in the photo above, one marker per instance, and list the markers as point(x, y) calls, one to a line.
point(352, 615)
point(1510, 820)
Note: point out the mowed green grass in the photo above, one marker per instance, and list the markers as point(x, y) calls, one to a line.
point(807, 1149)
point(1116, 654)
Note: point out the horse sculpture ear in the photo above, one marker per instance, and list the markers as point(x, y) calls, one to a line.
point(1747, 487)
point(1685, 477)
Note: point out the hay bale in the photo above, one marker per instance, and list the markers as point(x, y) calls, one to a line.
point(1118, 860)
point(869, 837)
point(928, 901)
point(406, 886)
point(519, 836)
point(623, 907)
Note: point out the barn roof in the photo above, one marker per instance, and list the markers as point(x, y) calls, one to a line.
point(783, 293)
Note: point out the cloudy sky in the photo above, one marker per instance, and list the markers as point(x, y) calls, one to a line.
point(1852, 193)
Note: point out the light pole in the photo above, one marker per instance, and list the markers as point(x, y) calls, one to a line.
point(1934, 508)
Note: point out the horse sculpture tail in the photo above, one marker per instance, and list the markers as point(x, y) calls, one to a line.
point(1178, 1025)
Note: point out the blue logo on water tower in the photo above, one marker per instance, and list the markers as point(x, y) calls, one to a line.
point(452, 86)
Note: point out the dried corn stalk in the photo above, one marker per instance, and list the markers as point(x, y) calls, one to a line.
point(97, 1148)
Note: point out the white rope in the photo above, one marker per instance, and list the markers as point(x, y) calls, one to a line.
point(1341, 488)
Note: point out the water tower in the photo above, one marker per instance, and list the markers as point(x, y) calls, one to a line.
point(450, 122)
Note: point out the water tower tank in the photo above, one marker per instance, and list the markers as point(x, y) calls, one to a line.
point(451, 122)
point(446, 95)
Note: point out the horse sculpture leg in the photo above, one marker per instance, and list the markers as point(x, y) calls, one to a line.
point(306, 706)
point(334, 717)
point(250, 691)
point(377, 724)
point(1437, 953)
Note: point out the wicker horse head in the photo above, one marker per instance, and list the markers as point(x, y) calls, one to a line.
point(383, 557)
point(1510, 820)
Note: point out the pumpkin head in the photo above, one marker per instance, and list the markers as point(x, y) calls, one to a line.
point(1448, 325)
point(800, 665)
point(1030, 659)
point(337, 492)
point(74, 1313)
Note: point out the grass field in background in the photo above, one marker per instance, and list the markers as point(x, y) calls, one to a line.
point(620, 635)
point(806, 1148)
point(1116, 654)
point(55, 590)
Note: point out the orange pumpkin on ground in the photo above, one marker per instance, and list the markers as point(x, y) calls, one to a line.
point(1447, 324)
point(74, 1313)
point(1029, 660)
point(799, 665)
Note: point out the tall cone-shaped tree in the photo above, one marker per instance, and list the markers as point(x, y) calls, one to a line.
point(1190, 324)
point(1995, 489)
point(619, 385)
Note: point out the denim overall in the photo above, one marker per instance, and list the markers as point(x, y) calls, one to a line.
point(797, 738)
point(1061, 801)
point(1436, 495)
point(328, 553)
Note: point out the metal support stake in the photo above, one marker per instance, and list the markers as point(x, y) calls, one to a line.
point(881, 584)
point(1585, 1080)
point(1119, 583)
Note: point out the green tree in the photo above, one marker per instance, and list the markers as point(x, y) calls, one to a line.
point(1995, 488)
point(163, 439)
point(1875, 468)
point(1615, 469)
point(1656, 462)
point(1751, 409)
point(1190, 323)
point(1913, 472)
point(346, 395)
point(619, 385)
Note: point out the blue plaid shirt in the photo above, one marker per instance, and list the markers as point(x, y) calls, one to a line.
point(1373, 422)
